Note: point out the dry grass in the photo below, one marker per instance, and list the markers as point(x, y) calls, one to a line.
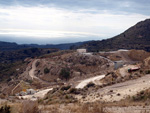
point(96, 107)
point(138, 55)
point(23, 107)
point(75, 108)
point(29, 107)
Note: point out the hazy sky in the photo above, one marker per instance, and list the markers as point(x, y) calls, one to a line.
point(63, 21)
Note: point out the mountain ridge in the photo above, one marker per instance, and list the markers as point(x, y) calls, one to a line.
point(10, 46)
point(136, 37)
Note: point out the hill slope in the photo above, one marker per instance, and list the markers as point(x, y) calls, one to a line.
point(136, 37)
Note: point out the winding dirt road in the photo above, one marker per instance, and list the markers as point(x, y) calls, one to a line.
point(41, 93)
point(32, 75)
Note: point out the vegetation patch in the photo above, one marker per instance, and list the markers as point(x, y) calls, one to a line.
point(147, 72)
point(64, 94)
point(91, 84)
point(5, 109)
point(65, 73)
point(142, 96)
point(46, 70)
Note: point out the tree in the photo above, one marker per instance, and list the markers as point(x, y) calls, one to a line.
point(65, 73)
point(46, 70)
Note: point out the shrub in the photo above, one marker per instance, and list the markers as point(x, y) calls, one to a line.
point(29, 81)
point(74, 91)
point(46, 70)
point(77, 108)
point(30, 107)
point(147, 72)
point(65, 73)
point(92, 108)
point(5, 109)
point(142, 96)
point(65, 88)
point(37, 64)
point(9, 79)
point(91, 84)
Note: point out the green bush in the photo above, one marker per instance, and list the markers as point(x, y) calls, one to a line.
point(46, 70)
point(65, 73)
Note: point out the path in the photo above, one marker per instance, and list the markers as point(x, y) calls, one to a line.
point(83, 83)
point(31, 72)
point(32, 75)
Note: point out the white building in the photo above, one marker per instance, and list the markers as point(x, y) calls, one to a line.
point(118, 64)
point(81, 50)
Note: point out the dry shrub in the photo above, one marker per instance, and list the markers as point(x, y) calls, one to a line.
point(29, 107)
point(91, 84)
point(92, 108)
point(54, 109)
point(142, 96)
point(76, 108)
point(5, 109)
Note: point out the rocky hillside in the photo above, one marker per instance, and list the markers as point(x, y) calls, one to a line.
point(19, 55)
point(65, 67)
point(13, 64)
point(136, 37)
point(72, 66)
point(52, 69)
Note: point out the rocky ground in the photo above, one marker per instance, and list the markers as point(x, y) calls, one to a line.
point(70, 77)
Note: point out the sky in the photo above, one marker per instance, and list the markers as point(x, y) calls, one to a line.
point(66, 21)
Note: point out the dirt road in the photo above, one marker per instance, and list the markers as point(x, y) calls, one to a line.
point(120, 91)
point(39, 94)
point(31, 72)
point(95, 80)
point(32, 75)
